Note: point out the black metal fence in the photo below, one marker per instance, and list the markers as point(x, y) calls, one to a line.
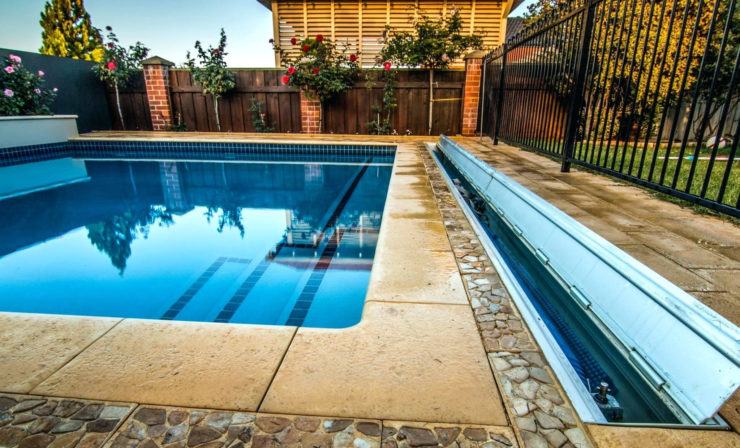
point(645, 90)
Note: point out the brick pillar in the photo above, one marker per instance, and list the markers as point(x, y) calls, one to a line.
point(471, 92)
point(157, 80)
point(310, 114)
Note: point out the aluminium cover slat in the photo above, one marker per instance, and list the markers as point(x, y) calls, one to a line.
point(691, 347)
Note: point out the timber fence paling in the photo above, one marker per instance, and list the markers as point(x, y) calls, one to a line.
point(134, 105)
point(348, 113)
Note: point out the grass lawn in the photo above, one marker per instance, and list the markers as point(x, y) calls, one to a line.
point(589, 152)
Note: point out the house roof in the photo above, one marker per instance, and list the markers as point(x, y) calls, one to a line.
point(513, 26)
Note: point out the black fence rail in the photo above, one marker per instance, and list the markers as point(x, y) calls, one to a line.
point(645, 90)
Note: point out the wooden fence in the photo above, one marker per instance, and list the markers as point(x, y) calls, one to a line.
point(134, 105)
point(280, 103)
point(349, 113)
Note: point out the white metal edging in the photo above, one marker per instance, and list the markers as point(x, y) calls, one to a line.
point(690, 346)
point(577, 393)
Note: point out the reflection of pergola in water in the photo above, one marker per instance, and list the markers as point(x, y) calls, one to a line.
point(308, 239)
point(301, 246)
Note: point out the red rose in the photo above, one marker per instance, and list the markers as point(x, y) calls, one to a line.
point(352, 57)
point(111, 65)
point(293, 40)
point(110, 44)
point(291, 70)
point(315, 71)
point(319, 38)
point(305, 48)
point(285, 79)
point(387, 66)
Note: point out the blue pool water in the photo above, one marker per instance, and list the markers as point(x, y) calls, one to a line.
point(265, 242)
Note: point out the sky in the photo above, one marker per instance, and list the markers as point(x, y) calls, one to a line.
point(168, 27)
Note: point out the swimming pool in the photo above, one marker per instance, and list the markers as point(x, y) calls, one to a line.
point(280, 235)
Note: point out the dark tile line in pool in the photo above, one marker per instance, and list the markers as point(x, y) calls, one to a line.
point(237, 299)
point(188, 295)
point(33, 153)
point(303, 304)
point(240, 147)
point(226, 151)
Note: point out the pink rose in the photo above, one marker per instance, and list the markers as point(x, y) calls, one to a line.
point(111, 65)
point(9, 93)
point(41, 73)
point(9, 69)
point(37, 91)
point(55, 90)
point(15, 59)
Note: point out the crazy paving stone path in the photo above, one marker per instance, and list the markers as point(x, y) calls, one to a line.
point(37, 422)
point(41, 422)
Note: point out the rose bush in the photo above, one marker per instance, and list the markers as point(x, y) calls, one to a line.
point(23, 92)
point(320, 68)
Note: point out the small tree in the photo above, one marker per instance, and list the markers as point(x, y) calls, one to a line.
point(320, 68)
point(22, 92)
point(68, 31)
point(118, 64)
point(211, 72)
point(432, 45)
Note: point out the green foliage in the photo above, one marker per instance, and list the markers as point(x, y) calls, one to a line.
point(320, 68)
point(543, 8)
point(433, 43)
point(382, 123)
point(119, 63)
point(68, 31)
point(179, 126)
point(22, 92)
point(211, 73)
point(259, 118)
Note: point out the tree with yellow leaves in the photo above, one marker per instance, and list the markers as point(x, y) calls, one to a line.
point(68, 31)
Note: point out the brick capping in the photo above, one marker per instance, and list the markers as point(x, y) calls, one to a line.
point(310, 114)
point(471, 92)
point(157, 80)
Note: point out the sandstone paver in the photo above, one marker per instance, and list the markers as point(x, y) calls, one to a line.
point(34, 346)
point(176, 363)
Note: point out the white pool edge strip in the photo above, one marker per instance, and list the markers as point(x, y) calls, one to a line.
point(699, 391)
point(579, 397)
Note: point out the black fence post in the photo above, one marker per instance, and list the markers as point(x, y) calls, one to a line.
point(500, 99)
point(574, 112)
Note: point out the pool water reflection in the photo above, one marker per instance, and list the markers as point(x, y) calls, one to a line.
point(263, 243)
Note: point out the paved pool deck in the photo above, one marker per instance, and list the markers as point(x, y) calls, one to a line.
point(429, 365)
